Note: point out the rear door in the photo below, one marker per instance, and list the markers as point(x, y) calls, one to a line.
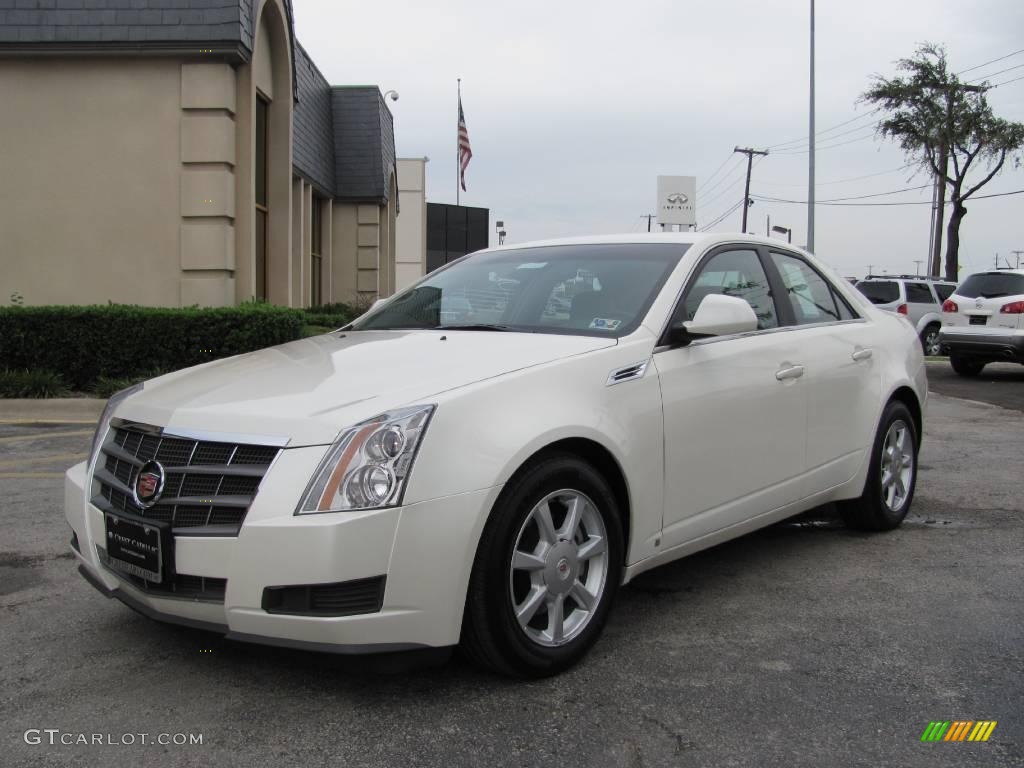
point(843, 375)
point(921, 303)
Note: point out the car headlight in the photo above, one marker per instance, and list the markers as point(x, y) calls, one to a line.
point(104, 423)
point(367, 466)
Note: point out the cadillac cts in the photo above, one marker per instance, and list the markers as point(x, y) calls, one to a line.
point(484, 458)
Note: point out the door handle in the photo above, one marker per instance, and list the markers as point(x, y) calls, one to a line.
point(789, 372)
point(861, 354)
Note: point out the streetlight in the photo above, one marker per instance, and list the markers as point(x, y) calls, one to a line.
point(788, 232)
point(392, 93)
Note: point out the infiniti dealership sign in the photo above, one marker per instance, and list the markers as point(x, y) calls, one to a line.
point(677, 200)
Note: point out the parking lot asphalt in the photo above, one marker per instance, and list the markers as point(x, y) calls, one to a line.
point(999, 383)
point(802, 645)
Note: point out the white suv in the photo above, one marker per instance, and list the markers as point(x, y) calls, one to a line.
point(919, 299)
point(983, 321)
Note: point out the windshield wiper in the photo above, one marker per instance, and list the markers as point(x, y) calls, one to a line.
point(471, 327)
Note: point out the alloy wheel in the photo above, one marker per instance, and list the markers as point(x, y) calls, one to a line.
point(931, 345)
point(559, 567)
point(897, 465)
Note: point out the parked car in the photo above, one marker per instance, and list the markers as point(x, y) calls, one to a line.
point(983, 321)
point(918, 298)
point(406, 482)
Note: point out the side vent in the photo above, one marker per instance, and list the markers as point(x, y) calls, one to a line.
point(628, 373)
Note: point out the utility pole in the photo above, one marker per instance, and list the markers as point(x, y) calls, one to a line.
point(746, 193)
point(810, 153)
point(648, 216)
point(1018, 255)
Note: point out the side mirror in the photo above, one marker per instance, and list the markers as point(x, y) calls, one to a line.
point(376, 304)
point(717, 315)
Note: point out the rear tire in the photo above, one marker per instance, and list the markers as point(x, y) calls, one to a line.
point(543, 582)
point(930, 340)
point(965, 366)
point(889, 488)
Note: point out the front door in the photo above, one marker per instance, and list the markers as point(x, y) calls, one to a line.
point(735, 408)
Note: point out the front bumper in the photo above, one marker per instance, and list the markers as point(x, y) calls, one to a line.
point(989, 344)
point(425, 550)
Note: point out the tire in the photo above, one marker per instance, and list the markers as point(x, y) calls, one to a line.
point(965, 366)
point(881, 507)
point(549, 570)
point(930, 340)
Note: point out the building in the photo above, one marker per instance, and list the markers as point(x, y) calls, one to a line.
point(181, 152)
point(411, 239)
point(453, 231)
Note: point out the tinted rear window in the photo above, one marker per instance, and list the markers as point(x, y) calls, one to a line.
point(992, 285)
point(879, 291)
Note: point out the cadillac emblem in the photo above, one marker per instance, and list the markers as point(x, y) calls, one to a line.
point(149, 484)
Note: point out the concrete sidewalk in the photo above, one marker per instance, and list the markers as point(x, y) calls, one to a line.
point(68, 410)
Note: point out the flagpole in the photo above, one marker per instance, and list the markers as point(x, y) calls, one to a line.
point(459, 80)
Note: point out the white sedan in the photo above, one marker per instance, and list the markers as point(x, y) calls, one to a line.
point(484, 458)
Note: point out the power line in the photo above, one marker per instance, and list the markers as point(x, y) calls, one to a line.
point(979, 66)
point(875, 194)
point(719, 168)
point(993, 74)
point(724, 178)
point(909, 202)
point(828, 146)
point(803, 139)
point(721, 218)
point(725, 190)
point(805, 145)
point(1007, 82)
point(837, 181)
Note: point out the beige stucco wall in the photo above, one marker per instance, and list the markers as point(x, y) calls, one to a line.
point(411, 226)
point(90, 181)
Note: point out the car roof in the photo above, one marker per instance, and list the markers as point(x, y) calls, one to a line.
point(681, 238)
point(998, 272)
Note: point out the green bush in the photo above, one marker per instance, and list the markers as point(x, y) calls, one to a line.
point(32, 383)
point(83, 344)
point(331, 315)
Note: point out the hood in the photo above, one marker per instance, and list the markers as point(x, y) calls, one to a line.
point(310, 389)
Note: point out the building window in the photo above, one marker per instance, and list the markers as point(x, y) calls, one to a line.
point(316, 254)
point(262, 109)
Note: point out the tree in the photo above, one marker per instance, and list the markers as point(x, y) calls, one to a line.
point(936, 119)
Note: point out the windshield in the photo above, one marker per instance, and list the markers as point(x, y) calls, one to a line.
point(583, 290)
point(879, 291)
point(991, 285)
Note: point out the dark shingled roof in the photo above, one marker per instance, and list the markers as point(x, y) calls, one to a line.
point(126, 21)
point(364, 143)
point(313, 125)
point(343, 138)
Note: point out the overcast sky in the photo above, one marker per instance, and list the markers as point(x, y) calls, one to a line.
point(574, 108)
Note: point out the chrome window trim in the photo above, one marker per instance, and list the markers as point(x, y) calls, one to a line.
point(271, 441)
point(748, 334)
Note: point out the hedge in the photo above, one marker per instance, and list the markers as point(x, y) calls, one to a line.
point(83, 344)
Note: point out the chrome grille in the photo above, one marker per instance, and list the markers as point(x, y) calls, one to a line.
point(208, 484)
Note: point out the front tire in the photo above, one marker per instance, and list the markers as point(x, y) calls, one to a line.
point(546, 570)
point(889, 488)
point(965, 366)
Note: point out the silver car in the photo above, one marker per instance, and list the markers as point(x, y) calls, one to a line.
point(919, 298)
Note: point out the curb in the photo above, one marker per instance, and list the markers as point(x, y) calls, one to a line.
point(60, 410)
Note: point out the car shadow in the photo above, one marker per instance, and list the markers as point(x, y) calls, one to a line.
point(437, 670)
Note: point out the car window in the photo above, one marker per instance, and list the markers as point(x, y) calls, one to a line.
point(945, 290)
point(991, 285)
point(810, 295)
point(918, 293)
point(583, 290)
point(880, 291)
point(731, 273)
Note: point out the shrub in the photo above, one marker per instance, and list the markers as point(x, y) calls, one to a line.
point(331, 315)
point(120, 341)
point(32, 383)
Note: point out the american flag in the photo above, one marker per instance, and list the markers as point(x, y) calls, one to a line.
point(465, 153)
